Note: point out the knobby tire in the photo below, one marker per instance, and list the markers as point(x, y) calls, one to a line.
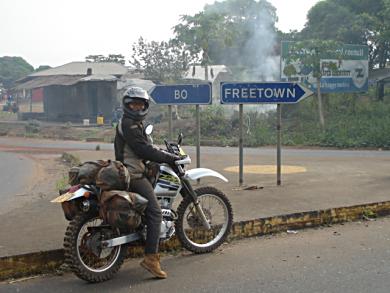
point(180, 233)
point(72, 258)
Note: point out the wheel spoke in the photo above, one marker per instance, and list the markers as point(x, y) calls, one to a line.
point(88, 245)
point(216, 213)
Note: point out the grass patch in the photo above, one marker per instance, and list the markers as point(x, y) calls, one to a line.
point(62, 183)
point(9, 116)
point(70, 159)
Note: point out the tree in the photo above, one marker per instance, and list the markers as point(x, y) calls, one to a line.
point(309, 54)
point(116, 58)
point(353, 21)
point(380, 38)
point(237, 33)
point(198, 31)
point(161, 61)
point(329, 20)
point(94, 58)
point(252, 33)
point(42, 67)
point(12, 69)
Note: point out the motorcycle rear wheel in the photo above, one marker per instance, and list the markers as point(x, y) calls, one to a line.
point(82, 246)
point(189, 227)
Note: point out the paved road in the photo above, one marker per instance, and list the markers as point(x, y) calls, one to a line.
point(15, 172)
point(290, 152)
point(51, 144)
point(333, 178)
point(354, 257)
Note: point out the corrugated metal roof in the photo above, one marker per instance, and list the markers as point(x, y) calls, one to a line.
point(144, 83)
point(80, 68)
point(379, 74)
point(49, 80)
point(99, 77)
point(42, 81)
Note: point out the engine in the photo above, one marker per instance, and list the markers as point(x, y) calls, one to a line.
point(167, 224)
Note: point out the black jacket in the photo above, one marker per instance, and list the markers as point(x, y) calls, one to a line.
point(139, 148)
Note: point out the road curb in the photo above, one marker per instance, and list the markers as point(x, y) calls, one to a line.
point(18, 266)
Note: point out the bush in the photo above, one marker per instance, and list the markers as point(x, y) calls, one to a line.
point(70, 159)
point(33, 126)
point(351, 121)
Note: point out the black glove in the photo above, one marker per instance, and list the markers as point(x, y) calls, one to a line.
point(174, 159)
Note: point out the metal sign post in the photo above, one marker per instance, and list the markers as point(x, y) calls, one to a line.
point(279, 145)
point(170, 122)
point(198, 138)
point(263, 93)
point(241, 146)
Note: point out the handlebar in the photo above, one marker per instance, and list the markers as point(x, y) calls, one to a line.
point(169, 147)
point(184, 161)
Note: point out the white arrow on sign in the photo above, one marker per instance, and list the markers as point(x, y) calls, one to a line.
point(264, 92)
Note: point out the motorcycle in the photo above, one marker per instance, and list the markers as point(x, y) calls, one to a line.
point(95, 251)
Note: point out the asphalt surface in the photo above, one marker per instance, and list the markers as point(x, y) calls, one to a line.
point(332, 178)
point(287, 151)
point(15, 172)
point(354, 257)
point(60, 145)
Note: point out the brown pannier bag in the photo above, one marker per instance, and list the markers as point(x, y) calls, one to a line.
point(122, 209)
point(113, 176)
point(73, 175)
point(86, 172)
point(70, 209)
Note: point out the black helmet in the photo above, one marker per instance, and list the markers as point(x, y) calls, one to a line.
point(135, 93)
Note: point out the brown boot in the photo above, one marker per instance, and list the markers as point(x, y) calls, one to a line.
point(151, 262)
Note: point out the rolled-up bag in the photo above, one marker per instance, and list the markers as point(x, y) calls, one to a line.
point(122, 209)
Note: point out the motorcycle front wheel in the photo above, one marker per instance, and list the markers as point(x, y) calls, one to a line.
point(84, 254)
point(189, 227)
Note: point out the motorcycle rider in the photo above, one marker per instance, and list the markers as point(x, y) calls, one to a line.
point(133, 148)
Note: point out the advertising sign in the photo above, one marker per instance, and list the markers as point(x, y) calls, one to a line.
point(351, 74)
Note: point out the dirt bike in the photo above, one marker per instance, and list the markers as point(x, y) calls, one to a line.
point(202, 221)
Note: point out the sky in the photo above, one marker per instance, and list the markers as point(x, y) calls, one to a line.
point(53, 32)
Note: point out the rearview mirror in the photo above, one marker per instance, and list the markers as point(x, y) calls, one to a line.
point(180, 138)
point(149, 129)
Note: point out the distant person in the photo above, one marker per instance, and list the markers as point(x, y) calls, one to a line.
point(116, 115)
point(14, 108)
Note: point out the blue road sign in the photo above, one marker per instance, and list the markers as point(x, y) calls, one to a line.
point(177, 94)
point(264, 92)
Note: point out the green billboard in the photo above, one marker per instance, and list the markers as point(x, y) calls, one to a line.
point(351, 74)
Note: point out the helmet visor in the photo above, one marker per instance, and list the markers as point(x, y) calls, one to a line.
point(135, 104)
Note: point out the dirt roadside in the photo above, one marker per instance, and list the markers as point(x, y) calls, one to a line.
point(47, 171)
point(67, 131)
point(33, 205)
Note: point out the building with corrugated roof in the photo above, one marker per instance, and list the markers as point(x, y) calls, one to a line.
point(380, 78)
point(75, 91)
point(215, 74)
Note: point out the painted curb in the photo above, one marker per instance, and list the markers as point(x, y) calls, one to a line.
point(18, 266)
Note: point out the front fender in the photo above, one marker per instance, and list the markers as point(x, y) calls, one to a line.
point(197, 173)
